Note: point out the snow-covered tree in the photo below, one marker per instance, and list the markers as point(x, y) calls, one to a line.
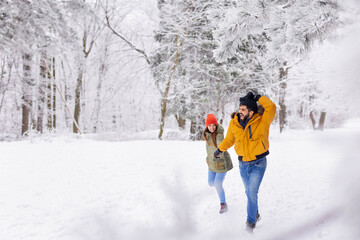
point(294, 28)
point(114, 71)
point(165, 59)
point(201, 81)
point(289, 29)
point(184, 66)
point(29, 29)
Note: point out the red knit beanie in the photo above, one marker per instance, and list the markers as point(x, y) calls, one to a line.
point(210, 119)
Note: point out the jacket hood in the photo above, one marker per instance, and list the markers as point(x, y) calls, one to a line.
point(220, 129)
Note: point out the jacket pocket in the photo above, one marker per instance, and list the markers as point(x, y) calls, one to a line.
point(219, 164)
point(263, 145)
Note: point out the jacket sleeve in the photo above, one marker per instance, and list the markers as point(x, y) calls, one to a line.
point(229, 140)
point(269, 110)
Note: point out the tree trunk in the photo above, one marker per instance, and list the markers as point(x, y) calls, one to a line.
point(102, 73)
point(54, 97)
point(114, 123)
point(313, 121)
point(4, 86)
point(283, 85)
point(49, 124)
point(181, 122)
point(41, 93)
point(163, 109)
point(78, 89)
point(26, 98)
point(98, 99)
point(166, 93)
point(77, 99)
point(67, 97)
point(322, 121)
point(301, 110)
point(25, 109)
point(86, 50)
point(192, 130)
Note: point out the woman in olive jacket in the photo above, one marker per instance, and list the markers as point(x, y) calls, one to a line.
point(214, 135)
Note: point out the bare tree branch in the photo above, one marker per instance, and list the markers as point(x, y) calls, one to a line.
point(142, 52)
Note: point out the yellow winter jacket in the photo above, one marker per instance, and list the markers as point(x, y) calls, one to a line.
point(252, 142)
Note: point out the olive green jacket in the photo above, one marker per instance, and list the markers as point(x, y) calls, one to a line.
point(223, 163)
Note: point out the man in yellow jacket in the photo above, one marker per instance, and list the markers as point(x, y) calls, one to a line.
point(249, 132)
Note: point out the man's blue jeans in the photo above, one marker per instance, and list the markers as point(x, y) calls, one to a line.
point(252, 174)
point(217, 179)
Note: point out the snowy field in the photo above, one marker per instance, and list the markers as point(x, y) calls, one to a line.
point(71, 189)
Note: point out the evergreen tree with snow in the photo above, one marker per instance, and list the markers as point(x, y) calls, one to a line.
point(190, 80)
point(289, 29)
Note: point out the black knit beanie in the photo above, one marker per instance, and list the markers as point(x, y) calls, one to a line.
point(249, 103)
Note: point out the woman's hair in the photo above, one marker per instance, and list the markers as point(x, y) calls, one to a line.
point(213, 135)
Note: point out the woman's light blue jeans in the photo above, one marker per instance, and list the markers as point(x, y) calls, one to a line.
point(217, 179)
point(252, 174)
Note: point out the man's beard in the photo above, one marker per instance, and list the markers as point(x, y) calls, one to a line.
point(245, 117)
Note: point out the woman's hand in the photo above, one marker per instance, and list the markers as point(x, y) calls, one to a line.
point(217, 153)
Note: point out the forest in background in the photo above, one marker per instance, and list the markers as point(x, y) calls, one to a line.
point(116, 66)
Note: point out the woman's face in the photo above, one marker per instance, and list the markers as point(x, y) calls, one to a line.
point(212, 127)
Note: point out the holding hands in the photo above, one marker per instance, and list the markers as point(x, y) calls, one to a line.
point(217, 153)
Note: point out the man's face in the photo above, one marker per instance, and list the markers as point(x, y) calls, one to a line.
point(245, 113)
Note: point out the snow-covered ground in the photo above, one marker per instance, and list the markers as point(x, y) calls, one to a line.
point(66, 188)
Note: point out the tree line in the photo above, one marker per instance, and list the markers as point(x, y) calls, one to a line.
point(81, 66)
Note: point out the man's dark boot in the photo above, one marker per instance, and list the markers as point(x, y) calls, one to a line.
point(258, 217)
point(250, 227)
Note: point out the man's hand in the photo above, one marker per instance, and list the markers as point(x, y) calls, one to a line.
point(257, 97)
point(250, 96)
point(217, 153)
